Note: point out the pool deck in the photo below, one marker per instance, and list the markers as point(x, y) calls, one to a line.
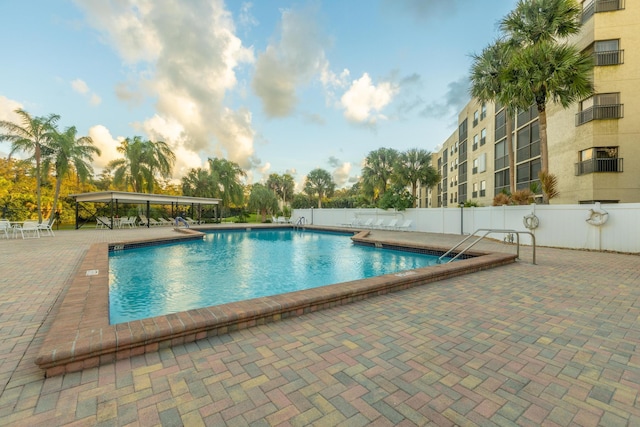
point(555, 343)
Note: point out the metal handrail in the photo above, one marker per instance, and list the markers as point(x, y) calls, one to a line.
point(487, 232)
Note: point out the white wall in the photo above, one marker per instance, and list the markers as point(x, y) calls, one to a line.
point(563, 226)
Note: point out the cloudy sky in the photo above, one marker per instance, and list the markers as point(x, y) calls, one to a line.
point(277, 86)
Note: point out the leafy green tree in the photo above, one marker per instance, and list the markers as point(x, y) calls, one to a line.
point(319, 182)
point(487, 82)
point(282, 186)
point(142, 161)
point(198, 182)
point(413, 167)
point(31, 136)
point(397, 197)
point(227, 177)
point(377, 171)
point(263, 201)
point(543, 67)
point(68, 153)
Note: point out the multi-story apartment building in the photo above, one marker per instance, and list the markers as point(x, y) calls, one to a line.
point(594, 145)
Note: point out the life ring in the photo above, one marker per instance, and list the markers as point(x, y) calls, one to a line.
point(531, 221)
point(597, 217)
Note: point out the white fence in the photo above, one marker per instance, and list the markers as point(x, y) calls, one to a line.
point(563, 226)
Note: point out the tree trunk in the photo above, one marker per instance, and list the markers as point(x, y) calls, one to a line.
point(544, 152)
point(510, 154)
point(414, 190)
point(38, 183)
point(55, 200)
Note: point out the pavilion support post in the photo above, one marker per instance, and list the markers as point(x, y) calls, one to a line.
point(148, 214)
point(77, 216)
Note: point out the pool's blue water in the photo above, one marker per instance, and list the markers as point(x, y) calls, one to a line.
point(232, 266)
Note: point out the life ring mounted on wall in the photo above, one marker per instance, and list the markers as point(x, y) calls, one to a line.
point(597, 217)
point(531, 221)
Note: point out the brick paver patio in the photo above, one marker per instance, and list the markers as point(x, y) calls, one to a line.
point(549, 344)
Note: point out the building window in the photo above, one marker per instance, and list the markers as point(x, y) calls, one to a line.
point(475, 142)
point(483, 188)
point(598, 159)
point(475, 118)
point(528, 143)
point(482, 163)
point(483, 137)
point(607, 52)
point(602, 106)
point(483, 111)
point(527, 174)
point(462, 130)
point(501, 156)
point(474, 170)
point(501, 125)
point(474, 194)
point(501, 181)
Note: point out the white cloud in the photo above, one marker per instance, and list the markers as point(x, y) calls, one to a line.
point(107, 144)
point(185, 57)
point(341, 174)
point(81, 87)
point(364, 101)
point(293, 60)
point(8, 108)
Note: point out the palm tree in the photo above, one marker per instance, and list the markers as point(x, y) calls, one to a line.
point(319, 182)
point(31, 136)
point(281, 185)
point(142, 161)
point(198, 183)
point(487, 82)
point(413, 167)
point(69, 152)
point(378, 170)
point(543, 68)
point(262, 200)
point(227, 175)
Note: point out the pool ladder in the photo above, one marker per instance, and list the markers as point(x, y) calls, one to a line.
point(301, 222)
point(488, 231)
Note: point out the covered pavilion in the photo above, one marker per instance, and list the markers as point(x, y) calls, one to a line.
point(114, 198)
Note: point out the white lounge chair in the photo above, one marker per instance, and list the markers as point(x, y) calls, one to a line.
point(378, 223)
point(143, 221)
point(405, 226)
point(355, 222)
point(366, 224)
point(103, 222)
point(128, 221)
point(5, 226)
point(153, 222)
point(391, 225)
point(190, 220)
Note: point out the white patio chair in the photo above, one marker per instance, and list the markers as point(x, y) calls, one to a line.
point(405, 226)
point(44, 226)
point(378, 224)
point(30, 228)
point(391, 225)
point(5, 226)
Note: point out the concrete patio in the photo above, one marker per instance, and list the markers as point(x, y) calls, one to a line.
point(549, 344)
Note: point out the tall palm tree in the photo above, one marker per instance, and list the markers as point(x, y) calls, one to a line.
point(31, 136)
point(543, 67)
point(198, 183)
point(263, 200)
point(487, 85)
point(281, 185)
point(227, 175)
point(142, 162)
point(69, 152)
point(413, 167)
point(159, 159)
point(319, 182)
point(378, 170)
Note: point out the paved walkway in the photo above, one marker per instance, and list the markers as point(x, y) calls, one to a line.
point(556, 343)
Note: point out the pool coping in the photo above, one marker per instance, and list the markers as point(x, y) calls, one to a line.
point(81, 337)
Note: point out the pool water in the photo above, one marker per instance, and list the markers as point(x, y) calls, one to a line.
point(230, 266)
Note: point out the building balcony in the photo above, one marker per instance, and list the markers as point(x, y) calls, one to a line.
point(612, 57)
point(597, 6)
point(599, 165)
point(600, 112)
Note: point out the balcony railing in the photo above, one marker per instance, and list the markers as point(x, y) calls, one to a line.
point(598, 6)
point(611, 57)
point(474, 147)
point(474, 195)
point(482, 193)
point(474, 170)
point(600, 112)
point(599, 165)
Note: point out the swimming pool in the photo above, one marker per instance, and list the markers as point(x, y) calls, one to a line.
point(229, 266)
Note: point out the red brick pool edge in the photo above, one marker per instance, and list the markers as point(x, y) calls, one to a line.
point(81, 337)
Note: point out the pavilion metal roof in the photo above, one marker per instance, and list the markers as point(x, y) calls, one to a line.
point(127, 197)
